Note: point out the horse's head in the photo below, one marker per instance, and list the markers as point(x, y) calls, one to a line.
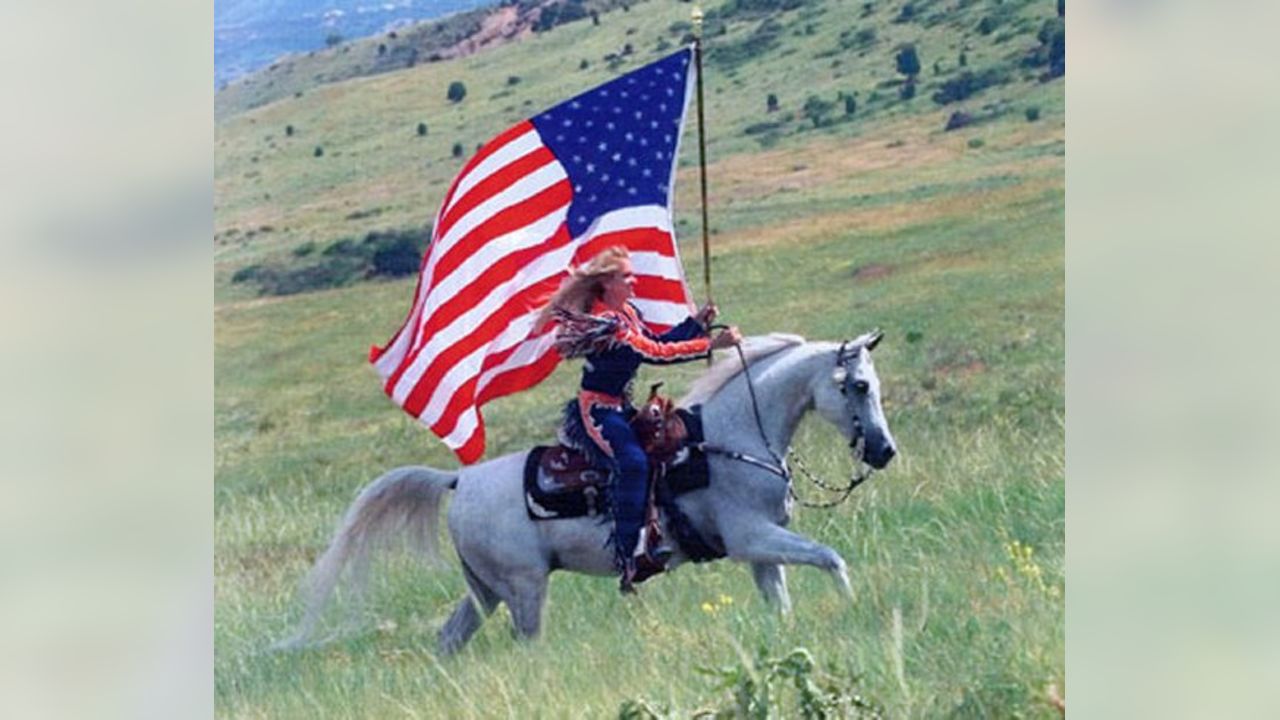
point(849, 398)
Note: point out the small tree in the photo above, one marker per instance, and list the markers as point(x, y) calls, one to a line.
point(382, 49)
point(1033, 113)
point(771, 103)
point(318, 152)
point(422, 129)
point(457, 149)
point(816, 109)
point(333, 39)
point(584, 64)
point(457, 91)
point(850, 105)
point(288, 131)
point(908, 61)
point(963, 60)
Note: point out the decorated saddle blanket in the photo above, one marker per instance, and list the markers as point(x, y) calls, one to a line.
point(560, 482)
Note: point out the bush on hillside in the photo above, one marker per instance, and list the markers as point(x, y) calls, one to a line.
point(288, 131)
point(422, 129)
point(771, 103)
point(850, 105)
point(968, 83)
point(907, 90)
point(559, 14)
point(318, 152)
point(817, 110)
point(457, 150)
point(383, 253)
point(457, 91)
point(908, 61)
point(958, 120)
point(1033, 113)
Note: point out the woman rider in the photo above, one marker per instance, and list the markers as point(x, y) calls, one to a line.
point(597, 322)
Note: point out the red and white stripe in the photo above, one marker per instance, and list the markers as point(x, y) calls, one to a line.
point(499, 248)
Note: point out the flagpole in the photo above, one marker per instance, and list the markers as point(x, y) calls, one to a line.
point(702, 151)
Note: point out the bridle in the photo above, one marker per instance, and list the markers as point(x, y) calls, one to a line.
point(779, 467)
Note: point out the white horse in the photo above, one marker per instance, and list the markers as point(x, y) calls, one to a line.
point(506, 557)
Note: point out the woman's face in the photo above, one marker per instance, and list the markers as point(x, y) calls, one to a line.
point(620, 286)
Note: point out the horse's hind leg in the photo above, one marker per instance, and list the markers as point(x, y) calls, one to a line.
point(467, 617)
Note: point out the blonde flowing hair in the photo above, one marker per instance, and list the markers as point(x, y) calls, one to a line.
point(585, 284)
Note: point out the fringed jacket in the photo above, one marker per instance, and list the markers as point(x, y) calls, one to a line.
point(615, 342)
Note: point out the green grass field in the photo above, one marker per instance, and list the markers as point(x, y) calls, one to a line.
point(952, 246)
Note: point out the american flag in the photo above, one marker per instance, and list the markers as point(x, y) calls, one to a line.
point(546, 195)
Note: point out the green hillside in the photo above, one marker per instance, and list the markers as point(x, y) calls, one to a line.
point(952, 241)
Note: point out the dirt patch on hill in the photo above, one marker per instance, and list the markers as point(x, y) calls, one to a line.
point(503, 25)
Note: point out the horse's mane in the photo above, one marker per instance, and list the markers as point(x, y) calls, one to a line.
point(754, 348)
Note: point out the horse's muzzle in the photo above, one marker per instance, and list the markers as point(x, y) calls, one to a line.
point(880, 456)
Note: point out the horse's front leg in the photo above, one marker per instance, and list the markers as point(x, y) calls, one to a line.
point(766, 543)
point(771, 580)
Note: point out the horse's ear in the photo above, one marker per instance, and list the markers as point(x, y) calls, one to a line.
point(874, 340)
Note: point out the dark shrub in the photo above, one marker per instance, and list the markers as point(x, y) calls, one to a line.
point(850, 105)
point(1033, 113)
point(908, 61)
point(907, 90)
point(513, 80)
point(987, 25)
point(247, 273)
point(288, 131)
point(457, 91)
point(422, 129)
point(396, 256)
point(958, 120)
point(457, 150)
point(304, 249)
point(584, 65)
point(817, 109)
point(382, 49)
point(318, 152)
point(771, 103)
point(967, 83)
point(907, 13)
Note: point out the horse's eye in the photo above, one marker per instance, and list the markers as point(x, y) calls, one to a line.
point(861, 387)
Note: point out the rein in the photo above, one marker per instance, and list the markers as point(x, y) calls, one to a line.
point(860, 474)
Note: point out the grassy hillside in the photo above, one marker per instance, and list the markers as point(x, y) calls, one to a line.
point(950, 241)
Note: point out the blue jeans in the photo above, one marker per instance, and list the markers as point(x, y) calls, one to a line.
point(630, 475)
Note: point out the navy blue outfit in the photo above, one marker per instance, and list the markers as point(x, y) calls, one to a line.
point(597, 422)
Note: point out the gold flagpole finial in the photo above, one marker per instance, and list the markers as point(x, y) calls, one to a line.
point(696, 16)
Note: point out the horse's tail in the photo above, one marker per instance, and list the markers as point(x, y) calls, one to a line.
point(403, 502)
